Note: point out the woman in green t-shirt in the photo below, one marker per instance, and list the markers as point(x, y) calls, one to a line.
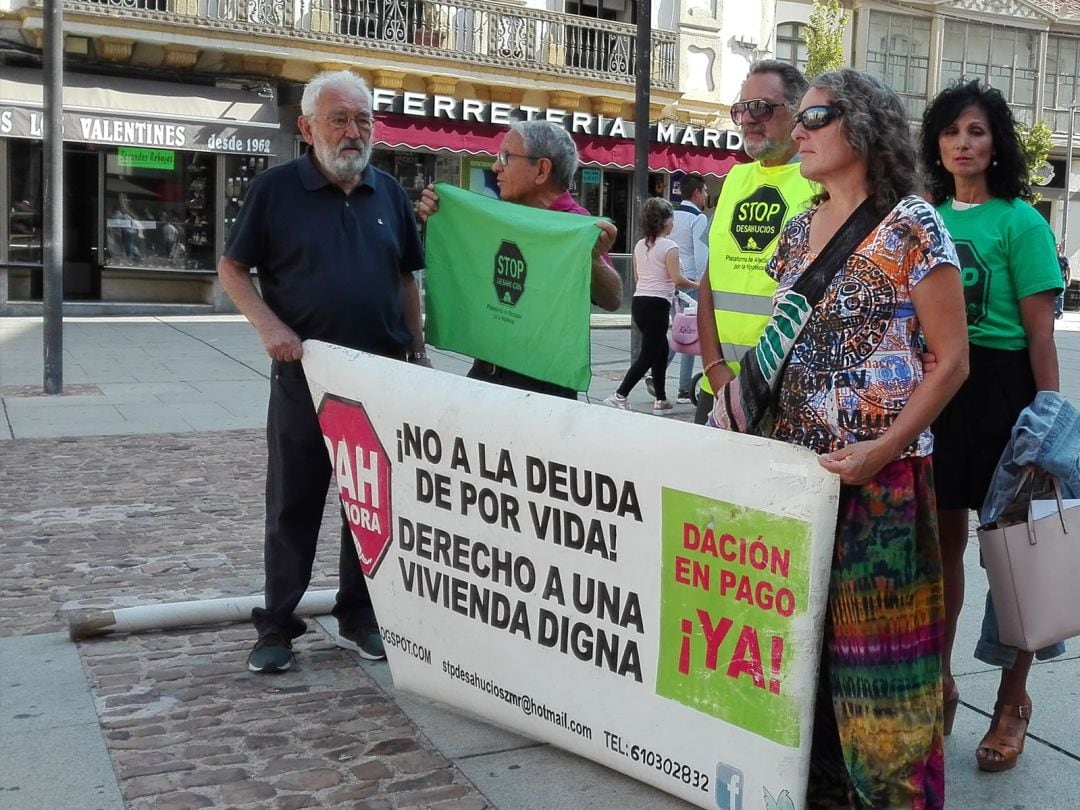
point(976, 175)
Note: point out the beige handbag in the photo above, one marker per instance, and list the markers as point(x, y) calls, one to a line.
point(1034, 567)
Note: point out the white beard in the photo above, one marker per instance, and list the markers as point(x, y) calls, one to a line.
point(343, 168)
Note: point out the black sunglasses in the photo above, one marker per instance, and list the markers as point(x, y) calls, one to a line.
point(817, 117)
point(759, 110)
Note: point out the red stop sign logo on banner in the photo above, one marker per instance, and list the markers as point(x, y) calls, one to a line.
point(362, 470)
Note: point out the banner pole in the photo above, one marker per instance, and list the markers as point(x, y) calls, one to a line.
point(89, 623)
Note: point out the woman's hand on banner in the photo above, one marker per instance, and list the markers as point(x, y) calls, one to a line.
point(857, 463)
point(428, 203)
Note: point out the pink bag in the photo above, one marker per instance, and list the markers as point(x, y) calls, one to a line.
point(684, 334)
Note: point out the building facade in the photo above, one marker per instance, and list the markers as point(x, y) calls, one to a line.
point(1030, 51)
point(171, 107)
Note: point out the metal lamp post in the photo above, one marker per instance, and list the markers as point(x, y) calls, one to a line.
point(642, 92)
point(1068, 181)
point(53, 200)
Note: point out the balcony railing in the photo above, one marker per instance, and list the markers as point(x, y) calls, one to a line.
point(473, 31)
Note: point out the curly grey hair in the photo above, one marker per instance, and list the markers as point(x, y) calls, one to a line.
point(875, 124)
point(339, 79)
point(543, 139)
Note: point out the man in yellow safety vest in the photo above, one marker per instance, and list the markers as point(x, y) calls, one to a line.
point(756, 201)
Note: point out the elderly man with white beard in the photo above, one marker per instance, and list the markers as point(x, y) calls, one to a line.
point(335, 244)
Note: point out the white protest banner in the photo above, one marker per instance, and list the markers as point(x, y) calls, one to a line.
point(645, 593)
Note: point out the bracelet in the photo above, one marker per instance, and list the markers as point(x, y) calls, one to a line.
point(712, 365)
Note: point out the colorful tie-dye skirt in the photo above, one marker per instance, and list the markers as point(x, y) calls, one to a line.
point(878, 726)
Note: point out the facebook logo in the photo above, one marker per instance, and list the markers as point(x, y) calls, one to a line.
point(729, 787)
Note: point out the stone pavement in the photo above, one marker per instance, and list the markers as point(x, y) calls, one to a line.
point(129, 520)
point(143, 484)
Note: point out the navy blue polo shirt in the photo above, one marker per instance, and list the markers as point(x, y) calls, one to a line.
point(330, 265)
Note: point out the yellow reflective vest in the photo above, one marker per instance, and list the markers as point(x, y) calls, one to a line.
point(754, 206)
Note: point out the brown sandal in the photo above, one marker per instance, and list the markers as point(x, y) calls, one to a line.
point(950, 700)
point(1006, 736)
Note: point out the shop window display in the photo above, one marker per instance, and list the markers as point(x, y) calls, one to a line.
point(159, 209)
point(414, 170)
point(25, 222)
point(240, 170)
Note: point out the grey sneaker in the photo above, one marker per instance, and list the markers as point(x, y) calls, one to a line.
point(272, 653)
point(649, 385)
point(365, 641)
point(616, 401)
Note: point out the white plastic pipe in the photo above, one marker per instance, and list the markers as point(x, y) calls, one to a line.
point(89, 623)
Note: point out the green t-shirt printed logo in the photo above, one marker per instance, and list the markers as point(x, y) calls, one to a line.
point(510, 273)
point(733, 580)
point(757, 220)
point(975, 276)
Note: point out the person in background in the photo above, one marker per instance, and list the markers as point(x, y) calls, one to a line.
point(691, 234)
point(976, 175)
point(756, 200)
point(1066, 277)
point(656, 275)
point(854, 391)
point(336, 245)
point(535, 166)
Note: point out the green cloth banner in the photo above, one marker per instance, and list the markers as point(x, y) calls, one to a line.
point(509, 284)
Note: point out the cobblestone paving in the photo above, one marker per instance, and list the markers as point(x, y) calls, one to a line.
point(128, 520)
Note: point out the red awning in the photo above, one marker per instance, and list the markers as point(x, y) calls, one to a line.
point(663, 157)
point(402, 131)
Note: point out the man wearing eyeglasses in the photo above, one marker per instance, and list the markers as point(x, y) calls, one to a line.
point(535, 166)
point(756, 201)
point(335, 244)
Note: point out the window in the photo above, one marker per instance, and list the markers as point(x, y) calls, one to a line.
point(791, 44)
point(1060, 87)
point(596, 49)
point(614, 10)
point(898, 52)
point(240, 170)
point(24, 193)
point(159, 209)
point(1004, 58)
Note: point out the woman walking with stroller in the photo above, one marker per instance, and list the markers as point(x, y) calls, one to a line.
point(656, 275)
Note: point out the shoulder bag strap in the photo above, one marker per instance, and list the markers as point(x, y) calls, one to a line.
point(815, 279)
point(747, 405)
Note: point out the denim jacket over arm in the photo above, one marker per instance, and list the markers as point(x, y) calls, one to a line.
point(1046, 434)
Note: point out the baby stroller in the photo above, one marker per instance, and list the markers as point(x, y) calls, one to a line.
point(683, 338)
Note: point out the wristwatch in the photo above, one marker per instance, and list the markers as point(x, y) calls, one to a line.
point(416, 357)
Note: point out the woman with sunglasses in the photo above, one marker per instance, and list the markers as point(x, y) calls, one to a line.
point(854, 392)
point(976, 174)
